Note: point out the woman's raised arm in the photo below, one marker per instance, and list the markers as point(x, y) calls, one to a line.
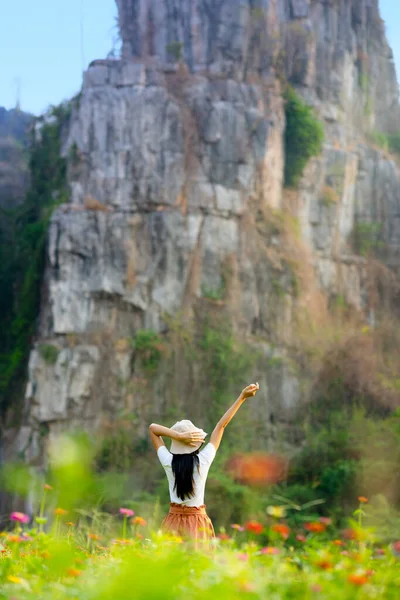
point(156, 431)
point(219, 429)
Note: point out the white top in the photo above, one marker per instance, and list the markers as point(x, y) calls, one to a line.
point(206, 456)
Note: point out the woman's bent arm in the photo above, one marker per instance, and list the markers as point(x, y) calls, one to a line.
point(218, 432)
point(156, 431)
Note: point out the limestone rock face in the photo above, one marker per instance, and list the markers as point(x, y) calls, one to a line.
point(177, 193)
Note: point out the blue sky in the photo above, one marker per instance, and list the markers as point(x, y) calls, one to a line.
point(41, 45)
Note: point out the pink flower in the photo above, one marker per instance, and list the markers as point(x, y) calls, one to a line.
point(270, 550)
point(237, 527)
point(126, 512)
point(20, 517)
point(243, 556)
point(325, 520)
point(301, 538)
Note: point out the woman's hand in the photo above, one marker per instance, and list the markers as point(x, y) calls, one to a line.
point(250, 390)
point(192, 439)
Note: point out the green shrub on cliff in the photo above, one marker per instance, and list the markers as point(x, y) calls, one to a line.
point(23, 233)
point(304, 136)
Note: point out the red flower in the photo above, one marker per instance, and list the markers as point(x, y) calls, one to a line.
point(254, 527)
point(396, 547)
point(362, 499)
point(282, 529)
point(315, 527)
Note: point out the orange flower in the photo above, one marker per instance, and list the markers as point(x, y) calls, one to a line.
point(73, 572)
point(325, 564)
point(223, 537)
point(93, 536)
point(358, 578)
point(337, 542)
point(60, 512)
point(351, 534)
point(139, 521)
point(254, 527)
point(70, 524)
point(47, 487)
point(362, 499)
point(14, 538)
point(282, 529)
point(315, 527)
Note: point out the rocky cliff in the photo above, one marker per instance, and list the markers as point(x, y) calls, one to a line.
point(178, 211)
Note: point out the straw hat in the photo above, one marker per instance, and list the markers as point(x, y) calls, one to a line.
point(178, 447)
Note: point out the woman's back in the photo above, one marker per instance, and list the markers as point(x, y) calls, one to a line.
point(206, 457)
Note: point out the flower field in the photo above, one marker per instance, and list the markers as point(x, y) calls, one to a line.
point(70, 546)
point(97, 556)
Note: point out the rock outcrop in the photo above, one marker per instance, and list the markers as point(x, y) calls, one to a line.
point(176, 165)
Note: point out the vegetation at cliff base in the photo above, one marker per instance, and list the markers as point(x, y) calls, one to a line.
point(23, 232)
point(304, 135)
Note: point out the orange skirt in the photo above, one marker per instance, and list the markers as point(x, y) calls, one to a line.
point(188, 522)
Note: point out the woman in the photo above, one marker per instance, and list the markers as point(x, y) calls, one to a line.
point(187, 468)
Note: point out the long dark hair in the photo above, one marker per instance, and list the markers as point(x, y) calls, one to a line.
point(183, 467)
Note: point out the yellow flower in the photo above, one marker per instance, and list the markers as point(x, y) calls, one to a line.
point(60, 512)
point(278, 512)
point(14, 579)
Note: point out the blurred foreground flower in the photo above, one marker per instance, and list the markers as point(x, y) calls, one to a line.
point(278, 512)
point(19, 517)
point(258, 469)
point(126, 512)
point(237, 527)
point(315, 527)
point(271, 550)
point(254, 527)
point(282, 529)
point(73, 572)
point(358, 578)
